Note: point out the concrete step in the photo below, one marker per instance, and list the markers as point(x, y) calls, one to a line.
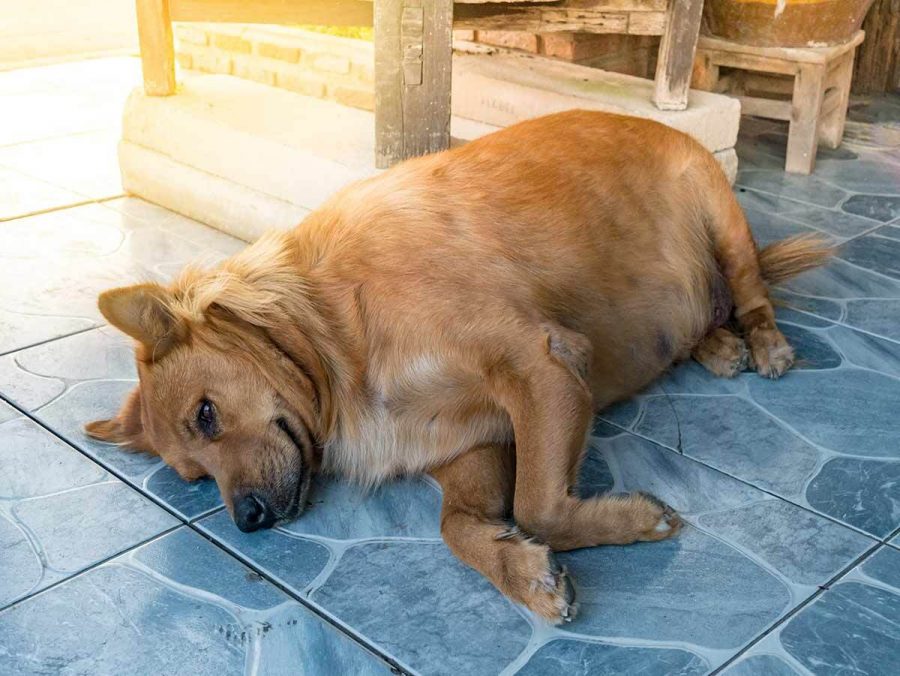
point(502, 88)
point(245, 157)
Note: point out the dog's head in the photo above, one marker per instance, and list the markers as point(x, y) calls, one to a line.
point(222, 392)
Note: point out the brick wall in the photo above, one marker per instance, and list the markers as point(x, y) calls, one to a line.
point(341, 69)
point(315, 64)
point(629, 54)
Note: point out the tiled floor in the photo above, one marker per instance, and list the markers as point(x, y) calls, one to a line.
point(111, 564)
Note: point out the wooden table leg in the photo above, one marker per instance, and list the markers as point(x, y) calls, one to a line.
point(413, 60)
point(676, 54)
point(157, 47)
point(803, 136)
point(832, 127)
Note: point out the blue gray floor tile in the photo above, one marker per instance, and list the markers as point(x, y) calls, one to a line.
point(68, 382)
point(177, 605)
point(60, 512)
point(851, 628)
point(824, 436)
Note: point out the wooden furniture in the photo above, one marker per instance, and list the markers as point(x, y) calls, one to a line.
point(808, 87)
point(413, 47)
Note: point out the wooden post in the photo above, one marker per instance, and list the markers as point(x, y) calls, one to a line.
point(676, 54)
point(413, 60)
point(803, 136)
point(157, 47)
point(832, 125)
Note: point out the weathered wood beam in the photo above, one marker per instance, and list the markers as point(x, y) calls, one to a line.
point(558, 17)
point(412, 78)
point(676, 54)
point(157, 47)
point(312, 12)
point(635, 17)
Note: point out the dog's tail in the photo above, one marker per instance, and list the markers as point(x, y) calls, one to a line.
point(789, 257)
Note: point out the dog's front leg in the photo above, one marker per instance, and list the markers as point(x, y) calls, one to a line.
point(543, 388)
point(478, 488)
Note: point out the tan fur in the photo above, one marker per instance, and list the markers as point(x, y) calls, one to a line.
point(489, 297)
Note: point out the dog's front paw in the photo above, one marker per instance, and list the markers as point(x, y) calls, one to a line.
point(770, 352)
point(535, 578)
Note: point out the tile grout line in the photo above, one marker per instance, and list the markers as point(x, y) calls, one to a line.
point(112, 471)
point(306, 603)
point(87, 569)
point(73, 205)
point(798, 608)
point(50, 340)
point(827, 517)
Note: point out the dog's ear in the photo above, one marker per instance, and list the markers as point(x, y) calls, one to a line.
point(142, 311)
point(126, 429)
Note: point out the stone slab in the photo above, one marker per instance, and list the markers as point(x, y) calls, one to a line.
point(505, 88)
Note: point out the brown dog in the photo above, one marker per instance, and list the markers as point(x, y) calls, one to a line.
point(463, 314)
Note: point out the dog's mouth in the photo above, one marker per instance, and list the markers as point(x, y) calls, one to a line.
point(297, 505)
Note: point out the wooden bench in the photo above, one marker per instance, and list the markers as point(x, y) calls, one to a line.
point(413, 47)
point(808, 87)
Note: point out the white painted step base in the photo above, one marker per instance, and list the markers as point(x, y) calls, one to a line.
point(245, 157)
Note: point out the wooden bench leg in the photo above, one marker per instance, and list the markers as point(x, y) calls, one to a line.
point(413, 58)
point(676, 54)
point(806, 105)
point(157, 47)
point(832, 129)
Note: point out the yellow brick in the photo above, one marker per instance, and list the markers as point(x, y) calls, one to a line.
point(185, 60)
point(355, 97)
point(300, 82)
point(231, 43)
point(271, 50)
point(331, 64)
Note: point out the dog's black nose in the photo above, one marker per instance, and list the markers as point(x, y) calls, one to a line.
point(252, 512)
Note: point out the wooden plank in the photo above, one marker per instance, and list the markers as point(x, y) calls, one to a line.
point(559, 17)
point(803, 136)
point(814, 55)
point(676, 54)
point(770, 108)
point(311, 12)
point(412, 78)
point(157, 47)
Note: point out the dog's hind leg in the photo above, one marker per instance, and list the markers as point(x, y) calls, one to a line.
point(478, 491)
point(738, 259)
point(541, 388)
point(722, 353)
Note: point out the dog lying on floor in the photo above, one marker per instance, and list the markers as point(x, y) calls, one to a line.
point(463, 314)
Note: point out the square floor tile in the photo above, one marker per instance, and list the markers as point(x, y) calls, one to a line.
point(59, 512)
point(54, 265)
point(65, 98)
point(823, 436)
point(69, 382)
point(86, 164)
point(852, 628)
point(176, 605)
point(375, 562)
point(21, 195)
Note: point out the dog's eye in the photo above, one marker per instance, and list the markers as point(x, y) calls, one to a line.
point(206, 419)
